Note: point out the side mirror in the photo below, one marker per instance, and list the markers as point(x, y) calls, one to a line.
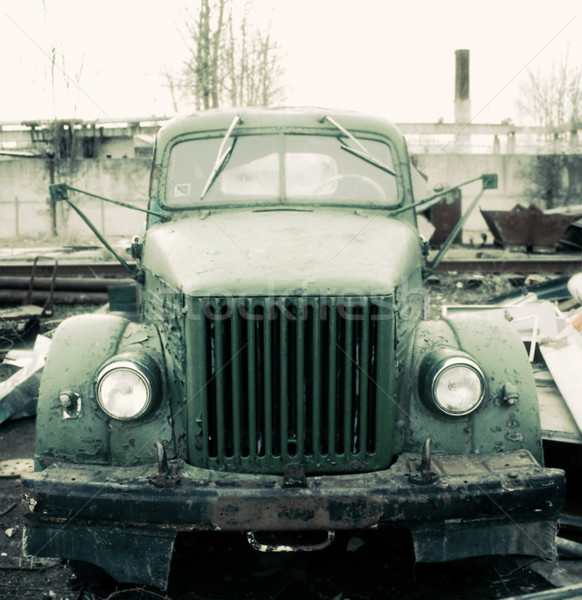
point(136, 248)
point(490, 181)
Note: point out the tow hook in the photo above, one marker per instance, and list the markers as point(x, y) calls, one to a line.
point(294, 476)
point(165, 476)
point(287, 544)
point(424, 474)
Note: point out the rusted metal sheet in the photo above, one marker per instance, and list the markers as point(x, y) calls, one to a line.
point(444, 216)
point(450, 540)
point(572, 238)
point(137, 551)
point(526, 226)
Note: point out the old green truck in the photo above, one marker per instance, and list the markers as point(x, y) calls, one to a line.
point(282, 378)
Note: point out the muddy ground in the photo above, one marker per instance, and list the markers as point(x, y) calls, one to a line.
point(358, 567)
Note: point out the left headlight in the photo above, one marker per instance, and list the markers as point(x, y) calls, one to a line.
point(127, 387)
point(451, 383)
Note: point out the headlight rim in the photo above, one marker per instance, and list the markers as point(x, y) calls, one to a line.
point(438, 362)
point(146, 370)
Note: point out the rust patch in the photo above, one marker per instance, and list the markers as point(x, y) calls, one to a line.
point(295, 513)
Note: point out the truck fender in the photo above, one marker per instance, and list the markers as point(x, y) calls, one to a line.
point(508, 418)
point(70, 424)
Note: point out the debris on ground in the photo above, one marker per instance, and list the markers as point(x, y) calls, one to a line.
point(19, 393)
point(555, 289)
point(15, 468)
point(562, 574)
point(563, 357)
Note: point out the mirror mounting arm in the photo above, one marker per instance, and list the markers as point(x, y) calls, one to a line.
point(488, 182)
point(59, 193)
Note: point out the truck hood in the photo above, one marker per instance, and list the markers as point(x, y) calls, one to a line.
point(283, 252)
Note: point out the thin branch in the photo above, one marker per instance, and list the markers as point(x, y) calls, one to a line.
point(232, 63)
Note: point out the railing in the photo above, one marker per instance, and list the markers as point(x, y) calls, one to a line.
point(423, 138)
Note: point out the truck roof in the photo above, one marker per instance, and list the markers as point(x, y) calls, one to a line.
point(288, 119)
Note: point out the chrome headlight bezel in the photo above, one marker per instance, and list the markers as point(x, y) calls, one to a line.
point(438, 363)
point(146, 373)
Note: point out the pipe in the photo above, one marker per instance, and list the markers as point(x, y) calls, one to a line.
point(64, 283)
point(568, 548)
point(16, 297)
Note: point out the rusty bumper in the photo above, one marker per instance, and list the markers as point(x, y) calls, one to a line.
point(503, 503)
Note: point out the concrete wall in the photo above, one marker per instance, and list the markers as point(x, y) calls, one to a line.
point(25, 207)
point(25, 210)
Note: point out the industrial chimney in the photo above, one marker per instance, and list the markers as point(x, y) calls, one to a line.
point(462, 93)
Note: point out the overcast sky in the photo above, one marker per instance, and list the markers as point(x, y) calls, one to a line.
point(392, 58)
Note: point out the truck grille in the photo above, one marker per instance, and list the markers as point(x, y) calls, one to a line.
point(292, 380)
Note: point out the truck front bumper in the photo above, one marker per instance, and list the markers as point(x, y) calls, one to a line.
point(123, 519)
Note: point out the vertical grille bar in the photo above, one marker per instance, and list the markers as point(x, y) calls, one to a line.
point(236, 353)
point(267, 379)
point(251, 379)
point(374, 430)
point(347, 359)
point(316, 349)
point(284, 359)
point(219, 378)
point(331, 381)
point(300, 387)
point(205, 385)
point(364, 378)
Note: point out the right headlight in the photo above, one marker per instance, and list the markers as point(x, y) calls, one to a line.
point(451, 382)
point(127, 387)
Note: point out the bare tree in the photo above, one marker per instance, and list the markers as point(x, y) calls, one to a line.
point(202, 36)
point(230, 62)
point(552, 98)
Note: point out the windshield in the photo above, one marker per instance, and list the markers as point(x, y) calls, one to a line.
point(266, 168)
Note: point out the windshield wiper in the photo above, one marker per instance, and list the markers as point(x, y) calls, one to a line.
point(222, 157)
point(362, 152)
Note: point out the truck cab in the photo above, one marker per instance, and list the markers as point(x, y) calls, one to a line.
point(283, 375)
